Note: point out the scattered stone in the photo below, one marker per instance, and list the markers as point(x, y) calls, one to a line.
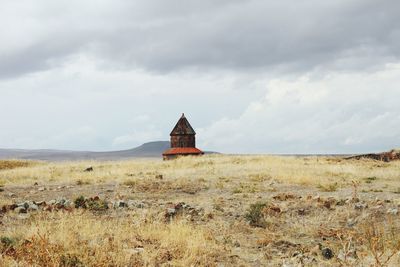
point(360, 206)
point(183, 209)
point(327, 253)
point(170, 212)
point(135, 204)
point(41, 188)
point(120, 204)
point(20, 209)
point(329, 203)
point(40, 203)
point(392, 211)
point(352, 222)
point(284, 196)
point(133, 251)
point(341, 202)
point(62, 204)
point(12, 195)
point(23, 204)
point(61, 187)
point(139, 250)
point(33, 207)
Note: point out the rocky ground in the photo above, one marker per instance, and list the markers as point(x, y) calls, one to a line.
point(259, 221)
point(292, 226)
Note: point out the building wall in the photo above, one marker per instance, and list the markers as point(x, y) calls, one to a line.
point(183, 141)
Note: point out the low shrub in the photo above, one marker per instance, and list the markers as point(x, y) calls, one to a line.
point(255, 215)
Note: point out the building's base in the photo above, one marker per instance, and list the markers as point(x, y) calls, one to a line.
point(175, 156)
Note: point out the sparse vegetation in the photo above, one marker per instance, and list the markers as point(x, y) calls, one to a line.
point(369, 180)
point(328, 187)
point(227, 210)
point(13, 164)
point(255, 214)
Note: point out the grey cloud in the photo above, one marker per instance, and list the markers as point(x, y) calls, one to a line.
point(166, 36)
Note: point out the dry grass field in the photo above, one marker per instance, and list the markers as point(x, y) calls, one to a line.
point(215, 210)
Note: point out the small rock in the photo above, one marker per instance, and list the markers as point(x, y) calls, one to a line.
point(20, 209)
point(41, 188)
point(360, 205)
point(341, 202)
point(40, 203)
point(392, 211)
point(61, 187)
point(33, 207)
point(12, 195)
point(135, 204)
point(139, 250)
point(171, 212)
point(327, 253)
point(24, 205)
point(120, 204)
point(35, 184)
point(351, 222)
point(134, 250)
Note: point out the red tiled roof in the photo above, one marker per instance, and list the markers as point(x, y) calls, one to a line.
point(182, 151)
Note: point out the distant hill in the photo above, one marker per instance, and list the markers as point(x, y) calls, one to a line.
point(147, 150)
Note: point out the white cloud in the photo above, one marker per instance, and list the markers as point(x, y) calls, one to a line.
point(339, 113)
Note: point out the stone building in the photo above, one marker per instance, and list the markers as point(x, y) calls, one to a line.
point(183, 141)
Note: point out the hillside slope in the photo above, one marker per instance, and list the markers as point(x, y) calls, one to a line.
point(147, 150)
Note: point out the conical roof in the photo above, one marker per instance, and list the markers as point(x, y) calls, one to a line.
point(183, 127)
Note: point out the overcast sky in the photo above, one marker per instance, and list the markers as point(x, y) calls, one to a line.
point(251, 76)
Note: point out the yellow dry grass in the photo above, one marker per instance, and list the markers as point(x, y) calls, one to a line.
point(13, 164)
point(59, 239)
point(216, 168)
point(308, 203)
